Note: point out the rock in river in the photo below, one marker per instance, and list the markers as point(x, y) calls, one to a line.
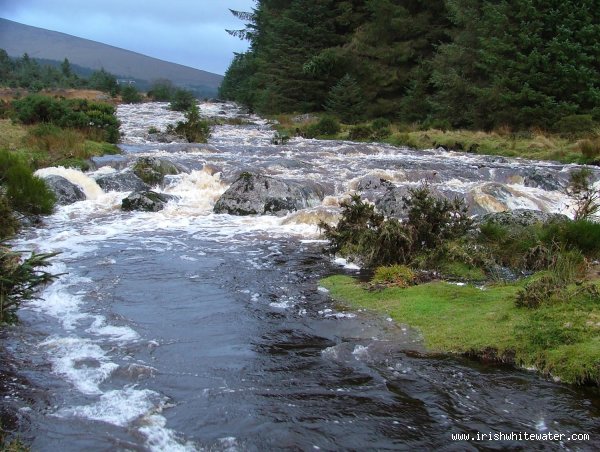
point(254, 194)
point(66, 192)
point(146, 201)
point(153, 170)
point(122, 181)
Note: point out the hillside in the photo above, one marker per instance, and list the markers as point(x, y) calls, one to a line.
point(18, 39)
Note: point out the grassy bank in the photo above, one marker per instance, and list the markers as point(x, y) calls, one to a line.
point(583, 147)
point(559, 339)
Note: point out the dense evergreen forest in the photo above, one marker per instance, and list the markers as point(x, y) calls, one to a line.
point(476, 64)
point(35, 75)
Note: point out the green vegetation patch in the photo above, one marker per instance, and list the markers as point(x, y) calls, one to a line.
point(560, 339)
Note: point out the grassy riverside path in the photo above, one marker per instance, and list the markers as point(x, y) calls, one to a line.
point(561, 340)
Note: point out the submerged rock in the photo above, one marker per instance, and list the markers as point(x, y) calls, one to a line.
point(65, 191)
point(117, 162)
point(123, 181)
point(145, 201)
point(254, 194)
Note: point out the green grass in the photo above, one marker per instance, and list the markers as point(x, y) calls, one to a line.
point(561, 339)
point(46, 145)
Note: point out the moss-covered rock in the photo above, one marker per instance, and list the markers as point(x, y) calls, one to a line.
point(153, 170)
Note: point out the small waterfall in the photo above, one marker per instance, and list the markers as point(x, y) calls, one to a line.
point(89, 186)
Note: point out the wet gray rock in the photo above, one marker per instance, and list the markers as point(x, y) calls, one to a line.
point(117, 162)
point(545, 180)
point(145, 201)
point(520, 217)
point(371, 182)
point(124, 181)
point(153, 170)
point(253, 194)
point(66, 192)
point(373, 187)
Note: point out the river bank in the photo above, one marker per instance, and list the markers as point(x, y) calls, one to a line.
point(560, 341)
point(582, 147)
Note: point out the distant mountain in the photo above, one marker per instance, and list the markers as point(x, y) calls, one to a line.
point(39, 43)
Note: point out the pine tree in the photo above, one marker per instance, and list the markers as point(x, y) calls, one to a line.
point(346, 100)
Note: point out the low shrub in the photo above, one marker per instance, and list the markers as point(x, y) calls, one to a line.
point(394, 275)
point(326, 126)
point(193, 129)
point(360, 132)
point(583, 235)
point(392, 243)
point(381, 123)
point(575, 126)
point(435, 220)
point(539, 291)
point(24, 192)
point(365, 235)
point(95, 119)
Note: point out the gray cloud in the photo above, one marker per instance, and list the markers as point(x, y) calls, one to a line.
point(189, 32)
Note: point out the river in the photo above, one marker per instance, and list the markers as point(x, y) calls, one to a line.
point(187, 330)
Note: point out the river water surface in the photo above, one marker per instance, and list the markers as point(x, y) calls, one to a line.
point(186, 330)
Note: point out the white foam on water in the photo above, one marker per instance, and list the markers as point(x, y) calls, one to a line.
point(198, 192)
point(284, 303)
point(82, 362)
point(117, 333)
point(344, 263)
point(360, 351)
point(159, 438)
point(58, 302)
point(118, 407)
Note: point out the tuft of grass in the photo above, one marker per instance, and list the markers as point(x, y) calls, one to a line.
point(11, 135)
point(559, 339)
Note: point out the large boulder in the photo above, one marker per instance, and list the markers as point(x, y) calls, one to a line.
point(145, 201)
point(520, 217)
point(254, 194)
point(65, 191)
point(122, 181)
point(153, 170)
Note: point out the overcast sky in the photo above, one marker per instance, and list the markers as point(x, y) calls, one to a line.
point(188, 32)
